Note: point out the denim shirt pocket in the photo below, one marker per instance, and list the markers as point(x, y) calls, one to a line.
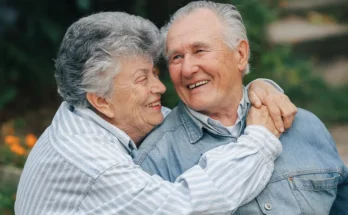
point(309, 192)
point(276, 199)
point(315, 192)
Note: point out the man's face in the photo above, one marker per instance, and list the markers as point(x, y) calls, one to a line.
point(205, 72)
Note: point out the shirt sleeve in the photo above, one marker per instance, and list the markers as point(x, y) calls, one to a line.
point(224, 179)
point(274, 84)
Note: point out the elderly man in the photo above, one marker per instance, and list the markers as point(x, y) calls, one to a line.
point(208, 52)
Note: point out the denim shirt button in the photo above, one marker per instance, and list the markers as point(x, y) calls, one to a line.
point(268, 206)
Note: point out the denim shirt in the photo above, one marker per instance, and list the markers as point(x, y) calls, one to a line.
point(309, 177)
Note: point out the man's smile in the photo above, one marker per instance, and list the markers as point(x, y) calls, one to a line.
point(198, 84)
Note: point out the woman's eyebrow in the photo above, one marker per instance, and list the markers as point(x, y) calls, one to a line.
point(141, 70)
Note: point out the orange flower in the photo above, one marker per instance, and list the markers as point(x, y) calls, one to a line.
point(11, 140)
point(17, 149)
point(30, 140)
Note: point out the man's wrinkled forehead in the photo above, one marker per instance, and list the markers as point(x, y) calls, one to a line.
point(192, 28)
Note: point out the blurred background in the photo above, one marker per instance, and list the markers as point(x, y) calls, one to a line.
point(300, 44)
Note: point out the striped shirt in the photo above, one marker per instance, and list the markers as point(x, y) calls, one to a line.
point(82, 165)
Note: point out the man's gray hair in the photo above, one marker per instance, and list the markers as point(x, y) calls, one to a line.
point(231, 19)
point(89, 56)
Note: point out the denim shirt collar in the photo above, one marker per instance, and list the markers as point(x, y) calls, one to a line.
point(194, 122)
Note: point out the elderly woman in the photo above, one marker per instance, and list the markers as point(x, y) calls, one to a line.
point(82, 163)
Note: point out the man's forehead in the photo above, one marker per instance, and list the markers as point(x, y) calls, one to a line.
point(186, 34)
point(199, 19)
point(190, 30)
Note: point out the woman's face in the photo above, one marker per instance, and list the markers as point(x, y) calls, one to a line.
point(136, 97)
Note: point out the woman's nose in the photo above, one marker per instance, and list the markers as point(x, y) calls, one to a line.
point(158, 87)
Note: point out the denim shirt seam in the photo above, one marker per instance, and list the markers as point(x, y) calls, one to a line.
point(304, 172)
point(194, 134)
point(151, 147)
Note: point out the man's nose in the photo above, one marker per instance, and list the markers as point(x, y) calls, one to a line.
point(189, 66)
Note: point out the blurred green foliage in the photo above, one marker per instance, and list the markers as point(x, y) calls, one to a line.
point(31, 41)
point(7, 199)
point(295, 76)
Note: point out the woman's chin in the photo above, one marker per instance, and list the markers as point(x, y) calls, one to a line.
point(156, 120)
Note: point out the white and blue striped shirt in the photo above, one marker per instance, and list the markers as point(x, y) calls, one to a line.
point(82, 165)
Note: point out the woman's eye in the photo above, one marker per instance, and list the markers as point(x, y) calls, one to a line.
point(141, 79)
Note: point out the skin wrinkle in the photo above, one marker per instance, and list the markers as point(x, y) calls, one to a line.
point(231, 22)
point(220, 65)
point(135, 87)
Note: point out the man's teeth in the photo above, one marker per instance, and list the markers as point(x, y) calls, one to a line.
point(154, 104)
point(191, 86)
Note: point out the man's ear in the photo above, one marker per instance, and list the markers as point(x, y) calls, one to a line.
point(101, 104)
point(243, 53)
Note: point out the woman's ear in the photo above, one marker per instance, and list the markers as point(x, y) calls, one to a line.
point(243, 53)
point(101, 104)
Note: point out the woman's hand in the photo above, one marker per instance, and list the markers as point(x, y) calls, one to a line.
point(261, 116)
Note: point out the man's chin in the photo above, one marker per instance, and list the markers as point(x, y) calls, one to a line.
point(196, 106)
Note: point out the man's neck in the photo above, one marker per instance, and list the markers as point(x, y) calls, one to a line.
point(227, 114)
point(226, 117)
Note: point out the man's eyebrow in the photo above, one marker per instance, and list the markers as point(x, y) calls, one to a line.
point(194, 45)
point(199, 45)
point(170, 53)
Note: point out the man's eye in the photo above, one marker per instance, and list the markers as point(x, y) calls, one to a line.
point(199, 50)
point(176, 58)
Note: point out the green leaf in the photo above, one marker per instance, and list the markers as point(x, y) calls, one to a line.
point(7, 95)
point(83, 5)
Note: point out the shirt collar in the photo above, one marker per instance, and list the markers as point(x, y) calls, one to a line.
point(90, 115)
point(212, 124)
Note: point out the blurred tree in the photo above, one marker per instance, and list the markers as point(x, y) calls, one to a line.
point(30, 34)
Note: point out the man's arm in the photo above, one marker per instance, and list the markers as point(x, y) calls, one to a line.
point(224, 179)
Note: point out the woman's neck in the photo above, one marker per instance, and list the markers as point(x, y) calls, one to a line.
point(136, 134)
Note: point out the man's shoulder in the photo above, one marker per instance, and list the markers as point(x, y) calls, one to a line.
point(171, 121)
point(169, 126)
point(308, 128)
point(308, 122)
point(161, 140)
point(307, 145)
point(304, 114)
